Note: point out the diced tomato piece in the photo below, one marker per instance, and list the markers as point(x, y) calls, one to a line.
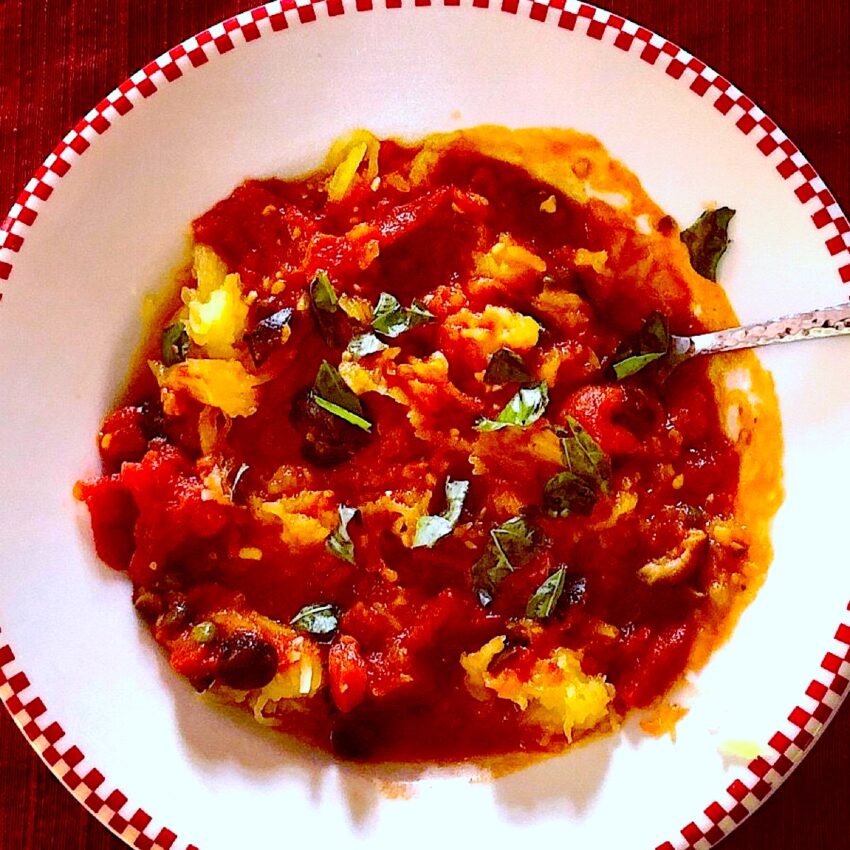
point(341, 255)
point(347, 673)
point(448, 612)
point(372, 625)
point(660, 660)
point(231, 228)
point(335, 254)
point(405, 218)
point(194, 661)
point(596, 409)
point(122, 437)
point(171, 506)
point(113, 518)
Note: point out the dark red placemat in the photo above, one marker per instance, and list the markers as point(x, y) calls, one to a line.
point(791, 56)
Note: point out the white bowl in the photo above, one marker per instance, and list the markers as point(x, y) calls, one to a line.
point(105, 223)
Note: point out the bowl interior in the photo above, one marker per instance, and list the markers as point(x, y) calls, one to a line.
point(112, 233)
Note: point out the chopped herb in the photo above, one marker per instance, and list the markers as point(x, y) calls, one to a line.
point(543, 601)
point(653, 344)
point(267, 335)
point(332, 394)
point(330, 386)
point(322, 294)
point(175, 344)
point(506, 366)
point(511, 545)
point(582, 455)
point(365, 344)
point(342, 413)
point(588, 468)
point(320, 620)
point(567, 493)
point(707, 240)
point(324, 305)
point(339, 542)
point(430, 529)
point(203, 632)
point(631, 365)
point(525, 408)
point(391, 319)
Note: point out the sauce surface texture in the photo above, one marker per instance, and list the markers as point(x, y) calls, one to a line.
point(380, 483)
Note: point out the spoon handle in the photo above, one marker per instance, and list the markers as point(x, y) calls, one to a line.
point(827, 321)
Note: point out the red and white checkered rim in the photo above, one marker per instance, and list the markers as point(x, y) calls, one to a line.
point(825, 692)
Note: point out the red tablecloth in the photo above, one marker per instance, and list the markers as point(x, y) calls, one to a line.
point(792, 56)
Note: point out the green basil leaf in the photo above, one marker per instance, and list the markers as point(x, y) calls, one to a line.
point(512, 544)
point(175, 344)
point(322, 294)
point(339, 542)
point(588, 469)
point(582, 454)
point(365, 344)
point(567, 493)
point(506, 366)
point(707, 240)
point(653, 344)
point(330, 386)
point(342, 413)
point(430, 529)
point(324, 305)
point(516, 539)
point(542, 602)
point(392, 320)
point(320, 620)
point(634, 364)
point(331, 393)
point(525, 408)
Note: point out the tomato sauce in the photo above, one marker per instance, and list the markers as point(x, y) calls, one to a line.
point(227, 523)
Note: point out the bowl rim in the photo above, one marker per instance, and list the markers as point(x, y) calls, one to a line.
point(825, 693)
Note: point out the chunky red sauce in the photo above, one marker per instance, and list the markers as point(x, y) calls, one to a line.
point(183, 501)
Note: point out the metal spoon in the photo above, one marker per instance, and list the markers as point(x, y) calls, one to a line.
point(827, 321)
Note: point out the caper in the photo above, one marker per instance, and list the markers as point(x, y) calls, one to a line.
point(148, 604)
point(204, 632)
